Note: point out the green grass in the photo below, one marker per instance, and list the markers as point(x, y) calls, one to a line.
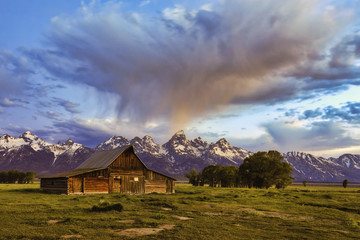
point(297, 212)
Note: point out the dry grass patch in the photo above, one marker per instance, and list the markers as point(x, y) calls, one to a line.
point(137, 232)
point(71, 236)
point(183, 218)
point(55, 221)
point(166, 209)
point(130, 221)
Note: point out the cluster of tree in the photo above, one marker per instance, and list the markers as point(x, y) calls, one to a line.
point(260, 170)
point(17, 176)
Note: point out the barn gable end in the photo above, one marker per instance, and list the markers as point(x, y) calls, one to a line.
point(119, 170)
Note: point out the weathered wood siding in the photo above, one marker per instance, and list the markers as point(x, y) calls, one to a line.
point(54, 185)
point(91, 182)
point(156, 182)
point(127, 162)
point(96, 185)
point(127, 174)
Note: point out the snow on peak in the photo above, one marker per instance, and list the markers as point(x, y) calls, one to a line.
point(29, 135)
point(69, 142)
point(223, 142)
point(179, 133)
point(148, 138)
point(112, 143)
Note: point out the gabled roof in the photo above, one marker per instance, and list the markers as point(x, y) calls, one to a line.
point(104, 158)
point(70, 173)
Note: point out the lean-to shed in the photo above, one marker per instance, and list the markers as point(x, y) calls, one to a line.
point(119, 170)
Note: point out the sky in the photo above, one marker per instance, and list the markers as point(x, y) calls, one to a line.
point(264, 74)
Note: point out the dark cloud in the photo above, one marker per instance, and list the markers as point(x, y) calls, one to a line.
point(325, 135)
point(185, 62)
point(88, 136)
point(339, 68)
point(290, 113)
point(14, 72)
point(311, 114)
point(344, 54)
point(349, 113)
point(67, 105)
point(50, 115)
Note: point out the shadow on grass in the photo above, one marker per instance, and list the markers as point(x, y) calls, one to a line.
point(344, 209)
point(27, 190)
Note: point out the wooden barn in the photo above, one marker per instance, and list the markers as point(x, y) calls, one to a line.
point(119, 170)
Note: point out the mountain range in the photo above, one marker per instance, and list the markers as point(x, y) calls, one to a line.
point(175, 157)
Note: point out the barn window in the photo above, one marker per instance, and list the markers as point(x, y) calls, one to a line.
point(136, 179)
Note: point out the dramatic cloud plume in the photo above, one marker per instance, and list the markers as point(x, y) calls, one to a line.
point(187, 62)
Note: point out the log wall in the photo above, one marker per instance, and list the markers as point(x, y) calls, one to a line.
point(156, 182)
point(54, 185)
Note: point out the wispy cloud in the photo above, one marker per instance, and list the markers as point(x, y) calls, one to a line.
point(144, 3)
point(320, 135)
point(6, 102)
point(69, 106)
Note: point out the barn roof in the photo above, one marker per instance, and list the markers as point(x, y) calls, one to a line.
point(70, 173)
point(104, 158)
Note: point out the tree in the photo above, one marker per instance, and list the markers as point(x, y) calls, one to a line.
point(192, 175)
point(21, 177)
point(29, 177)
point(345, 183)
point(304, 183)
point(13, 176)
point(265, 169)
point(3, 177)
point(209, 175)
point(228, 176)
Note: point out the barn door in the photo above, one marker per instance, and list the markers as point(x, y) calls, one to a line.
point(78, 185)
point(117, 184)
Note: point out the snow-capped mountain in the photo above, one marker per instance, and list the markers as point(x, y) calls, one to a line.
point(29, 152)
point(349, 161)
point(179, 155)
point(308, 167)
point(175, 157)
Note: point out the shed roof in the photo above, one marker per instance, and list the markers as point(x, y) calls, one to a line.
point(70, 173)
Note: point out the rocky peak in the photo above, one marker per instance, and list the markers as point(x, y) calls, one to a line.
point(28, 136)
point(112, 143)
point(199, 143)
point(348, 161)
point(6, 137)
point(148, 138)
point(69, 142)
point(179, 138)
point(223, 142)
point(136, 140)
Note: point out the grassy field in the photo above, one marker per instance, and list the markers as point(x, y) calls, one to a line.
point(313, 212)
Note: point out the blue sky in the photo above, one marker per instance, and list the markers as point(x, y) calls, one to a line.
point(263, 74)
